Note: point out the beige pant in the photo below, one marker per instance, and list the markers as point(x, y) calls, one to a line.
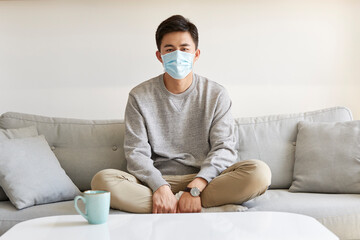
point(237, 184)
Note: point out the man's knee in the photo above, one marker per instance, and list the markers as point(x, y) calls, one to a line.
point(127, 193)
point(99, 180)
point(105, 179)
point(261, 173)
point(255, 172)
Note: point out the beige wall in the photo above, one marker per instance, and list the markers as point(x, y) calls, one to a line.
point(81, 58)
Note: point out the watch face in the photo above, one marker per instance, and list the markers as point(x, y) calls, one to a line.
point(195, 192)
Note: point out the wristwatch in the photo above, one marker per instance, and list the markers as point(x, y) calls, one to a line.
point(195, 192)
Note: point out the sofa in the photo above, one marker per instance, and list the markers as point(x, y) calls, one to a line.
point(84, 147)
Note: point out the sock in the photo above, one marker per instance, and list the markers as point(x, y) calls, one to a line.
point(222, 208)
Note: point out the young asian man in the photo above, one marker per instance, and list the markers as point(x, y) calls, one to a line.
point(180, 137)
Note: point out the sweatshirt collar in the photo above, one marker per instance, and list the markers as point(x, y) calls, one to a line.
point(180, 95)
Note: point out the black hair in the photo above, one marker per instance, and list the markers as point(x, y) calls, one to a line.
point(176, 23)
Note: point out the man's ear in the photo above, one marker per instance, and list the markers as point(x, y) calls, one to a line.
point(158, 55)
point(197, 55)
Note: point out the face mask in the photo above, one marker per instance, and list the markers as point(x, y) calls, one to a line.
point(178, 63)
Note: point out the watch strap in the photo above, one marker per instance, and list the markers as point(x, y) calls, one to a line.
point(187, 189)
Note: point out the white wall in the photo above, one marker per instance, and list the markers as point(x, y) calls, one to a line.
point(80, 59)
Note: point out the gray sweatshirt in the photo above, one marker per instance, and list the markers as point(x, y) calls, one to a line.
point(178, 134)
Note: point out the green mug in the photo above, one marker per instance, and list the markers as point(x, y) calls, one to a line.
point(97, 206)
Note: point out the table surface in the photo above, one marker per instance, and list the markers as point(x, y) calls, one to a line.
point(238, 225)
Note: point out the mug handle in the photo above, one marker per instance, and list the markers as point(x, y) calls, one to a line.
point(76, 206)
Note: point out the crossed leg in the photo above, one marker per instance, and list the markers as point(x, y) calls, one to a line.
point(239, 183)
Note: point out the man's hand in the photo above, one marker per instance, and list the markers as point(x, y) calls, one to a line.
point(164, 200)
point(188, 203)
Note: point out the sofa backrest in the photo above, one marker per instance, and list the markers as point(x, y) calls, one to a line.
point(272, 139)
point(84, 147)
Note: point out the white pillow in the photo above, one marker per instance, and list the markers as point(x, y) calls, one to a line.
point(30, 173)
point(327, 157)
point(30, 131)
point(16, 133)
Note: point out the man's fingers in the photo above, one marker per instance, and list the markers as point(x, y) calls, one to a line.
point(160, 209)
point(163, 209)
point(168, 209)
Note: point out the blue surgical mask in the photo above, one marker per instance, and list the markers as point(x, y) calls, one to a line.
point(178, 63)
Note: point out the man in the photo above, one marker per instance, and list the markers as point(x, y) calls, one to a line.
point(179, 137)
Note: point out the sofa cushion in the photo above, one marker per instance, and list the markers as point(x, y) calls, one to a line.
point(340, 213)
point(30, 131)
point(272, 139)
point(30, 174)
point(83, 147)
point(9, 215)
point(327, 158)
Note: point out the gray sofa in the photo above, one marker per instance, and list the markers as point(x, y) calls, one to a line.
point(84, 147)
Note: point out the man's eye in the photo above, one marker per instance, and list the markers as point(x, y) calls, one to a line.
point(185, 49)
point(168, 50)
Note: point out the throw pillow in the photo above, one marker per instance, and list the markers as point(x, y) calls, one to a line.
point(30, 173)
point(327, 157)
point(16, 133)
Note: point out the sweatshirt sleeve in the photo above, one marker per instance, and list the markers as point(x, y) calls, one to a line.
point(222, 152)
point(137, 148)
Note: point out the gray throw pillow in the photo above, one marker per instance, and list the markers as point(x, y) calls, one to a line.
point(30, 173)
point(327, 158)
point(16, 133)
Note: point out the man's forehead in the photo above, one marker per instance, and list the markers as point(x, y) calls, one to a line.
point(177, 39)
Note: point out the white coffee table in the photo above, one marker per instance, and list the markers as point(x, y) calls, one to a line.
point(240, 225)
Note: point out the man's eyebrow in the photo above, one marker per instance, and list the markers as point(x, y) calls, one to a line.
point(182, 45)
